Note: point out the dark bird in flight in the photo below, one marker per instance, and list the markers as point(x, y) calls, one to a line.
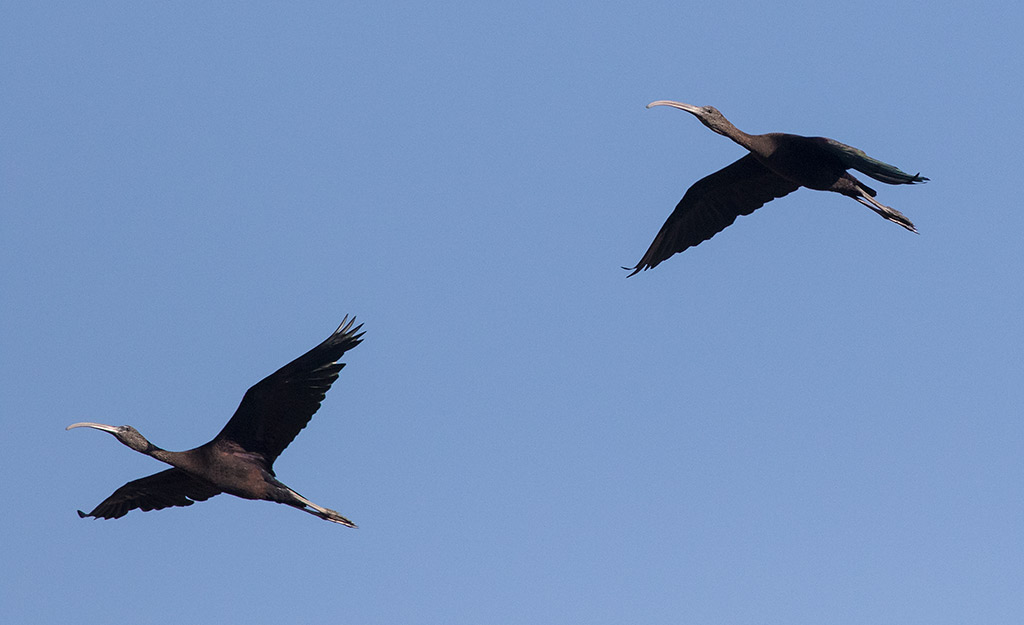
point(240, 460)
point(778, 164)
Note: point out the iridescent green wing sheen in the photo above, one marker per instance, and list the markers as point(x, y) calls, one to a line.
point(853, 158)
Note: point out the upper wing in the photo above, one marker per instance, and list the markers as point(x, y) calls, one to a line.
point(853, 158)
point(712, 204)
point(273, 411)
point(172, 487)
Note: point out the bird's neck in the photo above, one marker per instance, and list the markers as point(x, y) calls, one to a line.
point(192, 461)
point(162, 455)
point(750, 142)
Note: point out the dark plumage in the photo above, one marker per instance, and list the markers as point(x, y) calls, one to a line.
point(778, 164)
point(239, 461)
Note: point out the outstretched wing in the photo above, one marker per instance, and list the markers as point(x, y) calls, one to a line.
point(275, 410)
point(712, 204)
point(172, 487)
point(853, 158)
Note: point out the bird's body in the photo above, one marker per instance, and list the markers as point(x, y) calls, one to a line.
point(803, 160)
point(778, 164)
point(239, 461)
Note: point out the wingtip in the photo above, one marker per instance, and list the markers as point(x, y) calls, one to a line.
point(346, 328)
point(345, 324)
point(81, 514)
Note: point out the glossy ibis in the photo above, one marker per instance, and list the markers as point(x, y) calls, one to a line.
point(778, 164)
point(239, 461)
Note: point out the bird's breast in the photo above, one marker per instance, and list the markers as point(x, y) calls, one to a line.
point(238, 473)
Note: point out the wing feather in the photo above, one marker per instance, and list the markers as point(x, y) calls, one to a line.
point(854, 158)
point(275, 410)
point(712, 204)
point(172, 487)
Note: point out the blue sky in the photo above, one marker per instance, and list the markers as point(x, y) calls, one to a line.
point(813, 418)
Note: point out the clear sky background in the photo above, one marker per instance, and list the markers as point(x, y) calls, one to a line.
point(815, 417)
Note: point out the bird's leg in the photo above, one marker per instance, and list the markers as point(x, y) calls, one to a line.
point(324, 513)
point(887, 212)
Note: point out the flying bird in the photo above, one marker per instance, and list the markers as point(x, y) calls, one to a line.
point(240, 460)
point(778, 164)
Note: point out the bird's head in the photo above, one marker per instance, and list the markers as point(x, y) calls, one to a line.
point(124, 433)
point(708, 115)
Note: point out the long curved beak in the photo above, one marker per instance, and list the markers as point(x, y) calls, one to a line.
point(99, 426)
point(689, 108)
